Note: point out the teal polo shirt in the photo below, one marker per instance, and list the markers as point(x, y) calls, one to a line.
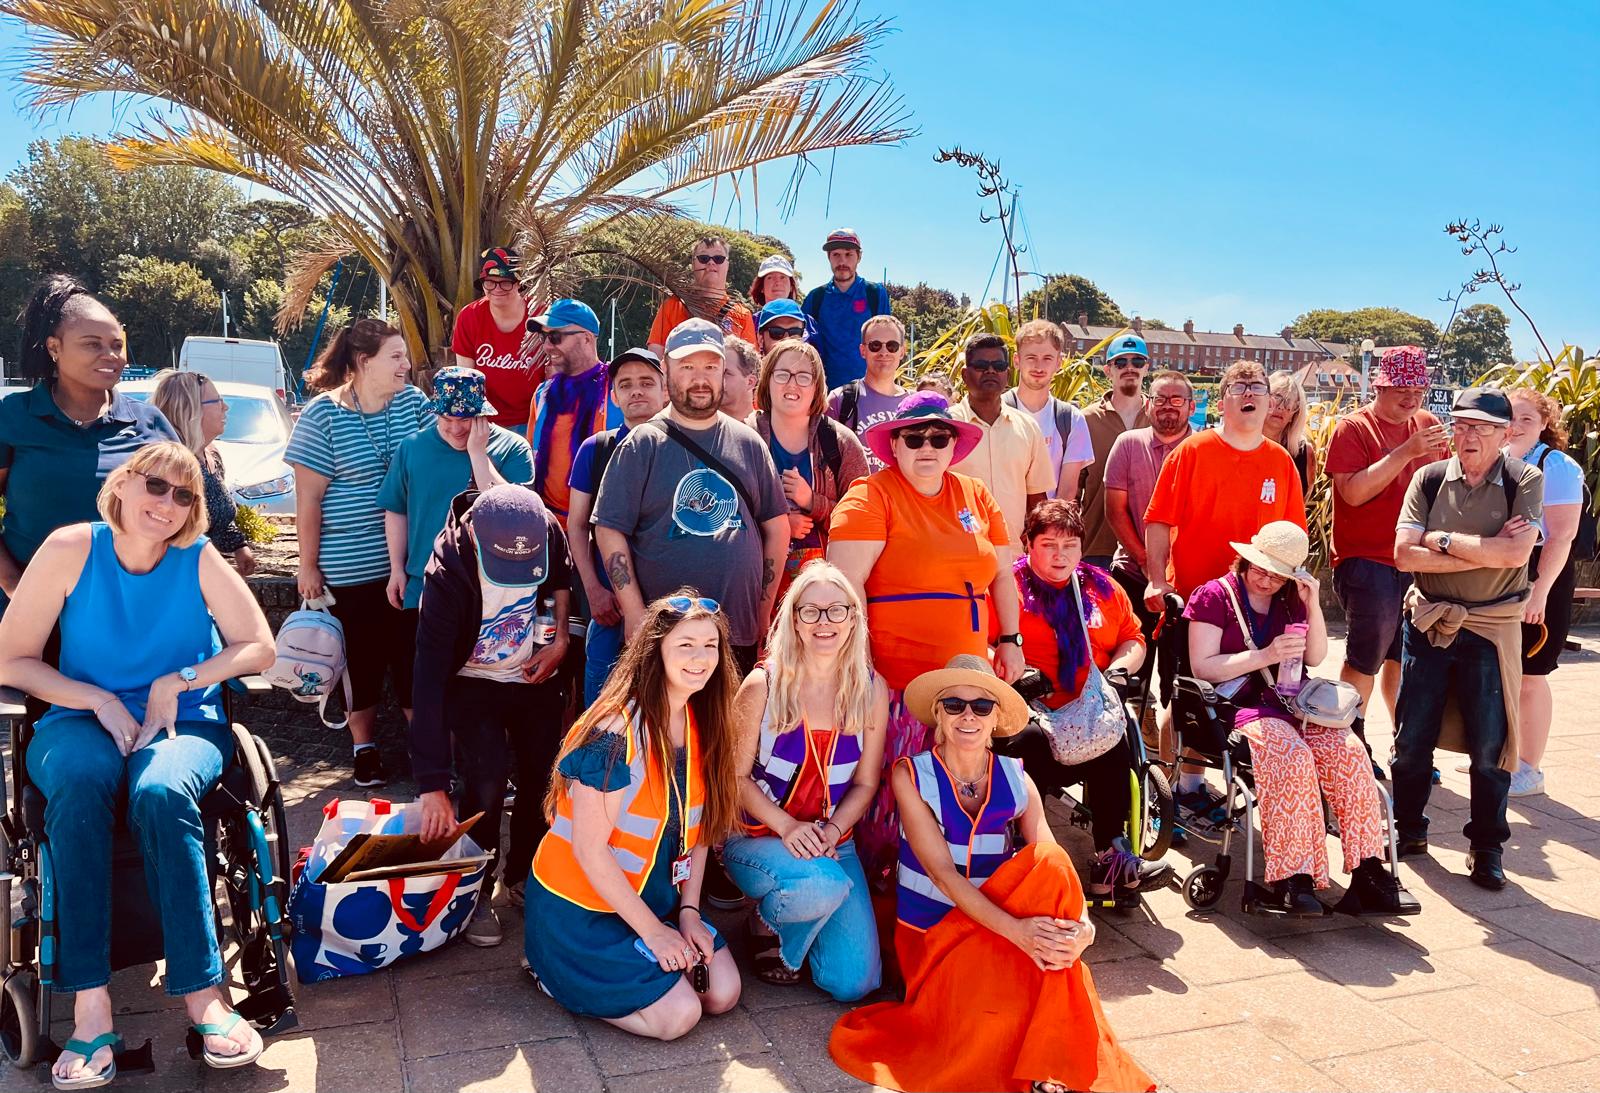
point(57, 466)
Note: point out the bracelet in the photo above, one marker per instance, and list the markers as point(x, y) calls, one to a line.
point(682, 907)
point(103, 705)
point(836, 827)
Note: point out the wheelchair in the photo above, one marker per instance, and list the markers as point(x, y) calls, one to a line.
point(247, 848)
point(1204, 735)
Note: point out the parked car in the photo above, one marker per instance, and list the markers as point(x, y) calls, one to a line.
point(252, 444)
point(238, 360)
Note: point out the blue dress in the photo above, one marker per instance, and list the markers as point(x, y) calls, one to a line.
point(586, 959)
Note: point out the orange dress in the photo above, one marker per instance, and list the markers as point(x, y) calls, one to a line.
point(980, 1015)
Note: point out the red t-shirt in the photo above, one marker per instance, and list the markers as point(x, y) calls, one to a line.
point(509, 375)
point(1360, 440)
point(1211, 495)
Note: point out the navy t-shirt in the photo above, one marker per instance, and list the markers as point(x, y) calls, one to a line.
point(585, 476)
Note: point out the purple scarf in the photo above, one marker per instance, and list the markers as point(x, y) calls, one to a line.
point(566, 394)
point(1055, 606)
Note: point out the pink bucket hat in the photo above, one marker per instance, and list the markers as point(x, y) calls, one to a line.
point(1402, 366)
point(919, 408)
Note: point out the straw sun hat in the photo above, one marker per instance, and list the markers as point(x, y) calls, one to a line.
point(966, 670)
point(1280, 547)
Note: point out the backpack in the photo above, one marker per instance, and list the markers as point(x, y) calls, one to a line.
point(310, 659)
point(1432, 477)
point(1584, 543)
point(877, 301)
point(850, 404)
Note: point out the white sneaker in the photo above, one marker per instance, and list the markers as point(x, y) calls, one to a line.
point(484, 929)
point(1526, 782)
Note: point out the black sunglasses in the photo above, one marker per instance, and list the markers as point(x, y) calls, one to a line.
point(554, 337)
point(711, 259)
point(160, 487)
point(983, 707)
point(879, 347)
point(779, 333)
point(937, 439)
point(1001, 365)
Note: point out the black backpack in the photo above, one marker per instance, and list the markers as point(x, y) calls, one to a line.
point(850, 404)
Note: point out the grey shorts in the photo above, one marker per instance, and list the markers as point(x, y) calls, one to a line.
point(1372, 595)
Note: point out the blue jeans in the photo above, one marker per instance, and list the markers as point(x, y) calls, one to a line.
point(820, 909)
point(1469, 670)
point(602, 647)
point(81, 773)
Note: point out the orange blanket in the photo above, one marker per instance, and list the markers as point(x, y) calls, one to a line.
point(979, 1015)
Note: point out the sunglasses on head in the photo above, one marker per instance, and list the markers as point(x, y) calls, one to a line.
point(879, 347)
point(810, 613)
point(982, 707)
point(779, 333)
point(156, 486)
point(711, 259)
point(937, 439)
point(682, 604)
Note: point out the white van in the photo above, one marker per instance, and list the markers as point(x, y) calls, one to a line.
point(238, 360)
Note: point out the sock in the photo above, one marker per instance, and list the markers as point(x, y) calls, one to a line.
point(359, 748)
point(1190, 780)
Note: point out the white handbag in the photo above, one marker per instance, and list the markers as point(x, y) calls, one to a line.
point(1091, 724)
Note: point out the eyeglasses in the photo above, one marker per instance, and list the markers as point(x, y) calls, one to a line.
point(555, 337)
point(1267, 574)
point(982, 707)
point(1122, 364)
point(879, 347)
point(211, 402)
point(498, 287)
point(160, 487)
point(937, 439)
point(1285, 402)
point(778, 333)
point(1001, 365)
point(1480, 428)
point(1241, 389)
point(711, 259)
point(799, 379)
point(1170, 400)
point(683, 604)
point(810, 613)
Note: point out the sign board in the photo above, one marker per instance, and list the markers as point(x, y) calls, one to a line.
point(1439, 400)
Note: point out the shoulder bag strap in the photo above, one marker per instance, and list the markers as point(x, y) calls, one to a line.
point(1244, 628)
point(690, 445)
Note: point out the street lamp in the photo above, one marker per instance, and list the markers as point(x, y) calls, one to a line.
point(1367, 346)
point(1045, 277)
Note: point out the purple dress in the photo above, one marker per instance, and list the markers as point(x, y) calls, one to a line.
point(1209, 604)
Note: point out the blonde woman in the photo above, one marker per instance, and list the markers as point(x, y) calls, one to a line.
point(1287, 415)
point(811, 731)
point(194, 407)
point(135, 710)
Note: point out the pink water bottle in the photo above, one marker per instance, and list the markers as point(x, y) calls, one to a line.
point(1291, 671)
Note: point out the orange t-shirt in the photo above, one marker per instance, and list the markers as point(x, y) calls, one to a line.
point(1212, 494)
point(557, 490)
point(926, 595)
point(1111, 622)
point(736, 319)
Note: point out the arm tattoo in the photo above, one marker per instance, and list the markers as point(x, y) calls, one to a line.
point(767, 574)
point(618, 570)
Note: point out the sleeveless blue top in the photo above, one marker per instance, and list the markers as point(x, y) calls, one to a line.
point(122, 631)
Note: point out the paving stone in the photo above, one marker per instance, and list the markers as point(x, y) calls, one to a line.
point(1499, 1035)
point(1532, 975)
point(1422, 1067)
point(800, 1034)
point(757, 995)
point(764, 1073)
point(355, 1000)
point(1582, 1076)
point(458, 957)
point(471, 1011)
point(1375, 963)
point(1311, 1015)
point(1142, 998)
point(1240, 1059)
point(356, 1059)
point(1561, 929)
point(714, 1040)
point(1213, 948)
point(547, 1066)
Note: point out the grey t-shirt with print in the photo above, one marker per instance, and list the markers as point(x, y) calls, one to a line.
point(686, 523)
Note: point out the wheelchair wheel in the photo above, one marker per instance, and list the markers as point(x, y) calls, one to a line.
point(1202, 889)
point(19, 1024)
point(1155, 812)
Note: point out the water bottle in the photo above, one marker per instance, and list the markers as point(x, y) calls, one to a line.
point(1291, 673)
point(544, 623)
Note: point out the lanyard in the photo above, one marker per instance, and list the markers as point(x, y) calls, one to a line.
point(678, 796)
point(822, 769)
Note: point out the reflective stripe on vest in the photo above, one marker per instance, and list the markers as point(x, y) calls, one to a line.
point(977, 848)
point(780, 756)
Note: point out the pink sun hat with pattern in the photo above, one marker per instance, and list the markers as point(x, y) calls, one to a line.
point(920, 408)
point(1402, 366)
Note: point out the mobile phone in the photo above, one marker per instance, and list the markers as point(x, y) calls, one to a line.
point(644, 950)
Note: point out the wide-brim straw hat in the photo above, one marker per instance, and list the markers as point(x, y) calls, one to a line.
point(1280, 547)
point(966, 670)
point(921, 408)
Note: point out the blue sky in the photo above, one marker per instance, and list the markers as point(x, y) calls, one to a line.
point(1224, 162)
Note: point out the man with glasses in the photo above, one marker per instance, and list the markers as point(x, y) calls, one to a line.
point(1040, 347)
point(1011, 459)
point(1120, 409)
point(1466, 530)
point(491, 335)
point(573, 404)
point(781, 320)
point(861, 404)
point(709, 267)
point(838, 308)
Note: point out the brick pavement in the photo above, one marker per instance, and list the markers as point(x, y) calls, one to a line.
point(1483, 991)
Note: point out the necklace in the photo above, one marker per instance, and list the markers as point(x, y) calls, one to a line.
point(963, 786)
point(385, 453)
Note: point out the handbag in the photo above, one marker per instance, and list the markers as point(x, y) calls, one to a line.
point(1091, 724)
point(1331, 703)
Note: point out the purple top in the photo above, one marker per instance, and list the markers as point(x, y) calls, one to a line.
point(1209, 604)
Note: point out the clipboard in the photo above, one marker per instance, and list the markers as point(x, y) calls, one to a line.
point(367, 852)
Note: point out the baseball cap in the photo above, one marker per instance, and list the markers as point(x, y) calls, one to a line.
point(512, 527)
point(567, 313)
point(842, 237)
point(1127, 345)
point(1402, 366)
point(459, 392)
point(694, 336)
point(1482, 404)
point(775, 263)
point(499, 262)
point(778, 309)
point(643, 356)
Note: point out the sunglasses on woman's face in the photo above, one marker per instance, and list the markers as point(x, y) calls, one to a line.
point(937, 439)
point(811, 614)
point(981, 707)
point(160, 487)
point(682, 604)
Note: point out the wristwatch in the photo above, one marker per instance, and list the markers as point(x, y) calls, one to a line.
point(188, 676)
point(1011, 639)
point(1444, 542)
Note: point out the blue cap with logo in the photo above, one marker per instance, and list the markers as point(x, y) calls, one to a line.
point(1126, 345)
point(567, 313)
point(512, 527)
point(778, 309)
point(694, 336)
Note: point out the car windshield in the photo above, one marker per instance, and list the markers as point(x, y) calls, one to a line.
point(250, 420)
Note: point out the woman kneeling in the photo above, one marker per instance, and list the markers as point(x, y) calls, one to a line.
point(644, 785)
point(990, 934)
point(1241, 625)
point(136, 704)
point(811, 727)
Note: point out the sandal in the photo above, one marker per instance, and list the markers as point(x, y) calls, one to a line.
point(770, 967)
point(87, 1048)
point(215, 1059)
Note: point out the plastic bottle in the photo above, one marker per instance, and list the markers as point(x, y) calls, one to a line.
point(1291, 670)
point(544, 623)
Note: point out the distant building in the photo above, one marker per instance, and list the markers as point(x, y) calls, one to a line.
point(1204, 354)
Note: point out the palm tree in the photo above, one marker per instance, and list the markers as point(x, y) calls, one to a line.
point(422, 131)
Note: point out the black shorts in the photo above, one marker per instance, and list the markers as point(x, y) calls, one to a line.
point(1373, 597)
point(378, 641)
point(1557, 621)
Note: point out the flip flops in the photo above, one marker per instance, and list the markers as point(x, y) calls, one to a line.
point(217, 1060)
point(87, 1048)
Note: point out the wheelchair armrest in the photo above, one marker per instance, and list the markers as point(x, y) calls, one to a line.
point(249, 685)
point(1201, 689)
point(13, 704)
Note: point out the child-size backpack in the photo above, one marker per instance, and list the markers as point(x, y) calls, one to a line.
point(311, 659)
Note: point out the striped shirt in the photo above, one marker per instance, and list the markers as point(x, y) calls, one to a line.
point(353, 451)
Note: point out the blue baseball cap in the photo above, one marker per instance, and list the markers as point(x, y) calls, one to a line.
point(694, 336)
point(567, 313)
point(779, 309)
point(512, 528)
point(1125, 346)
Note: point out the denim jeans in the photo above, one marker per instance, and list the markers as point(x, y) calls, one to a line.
point(820, 909)
point(82, 774)
point(1469, 670)
point(602, 647)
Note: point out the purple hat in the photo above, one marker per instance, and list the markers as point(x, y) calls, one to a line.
point(915, 409)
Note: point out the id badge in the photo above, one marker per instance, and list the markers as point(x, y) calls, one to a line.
point(680, 870)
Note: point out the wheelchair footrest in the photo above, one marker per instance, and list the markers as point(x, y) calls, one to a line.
point(270, 1008)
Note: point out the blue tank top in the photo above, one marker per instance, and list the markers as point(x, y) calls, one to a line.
point(122, 631)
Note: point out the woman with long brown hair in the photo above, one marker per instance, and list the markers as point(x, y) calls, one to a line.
point(644, 786)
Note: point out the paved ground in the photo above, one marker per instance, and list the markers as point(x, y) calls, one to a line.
point(1482, 992)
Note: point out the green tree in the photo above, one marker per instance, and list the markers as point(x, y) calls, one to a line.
point(160, 303)
point(422, 133)
point(263, 300)
point(16, 256)
point(1070, 295)
point(927, 312)
point(1475, 342)
point(1384, 325)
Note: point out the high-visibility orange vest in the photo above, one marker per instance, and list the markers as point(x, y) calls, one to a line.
point(636, 839)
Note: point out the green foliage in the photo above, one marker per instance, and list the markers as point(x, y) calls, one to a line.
point(1071, 295)
point(927, 312)
point(16, 253)
point(253, 526)
point(160, 303)
point(1575, 384)
point(262, 301)
point(1079, 380)
point(1384, 325)
point(1475, 342)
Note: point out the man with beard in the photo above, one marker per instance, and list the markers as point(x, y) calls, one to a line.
point(1120, 409)
point(573, 404)
point(693, 498)
point(838, 309)
point(710, 271)
point(1011, 459)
